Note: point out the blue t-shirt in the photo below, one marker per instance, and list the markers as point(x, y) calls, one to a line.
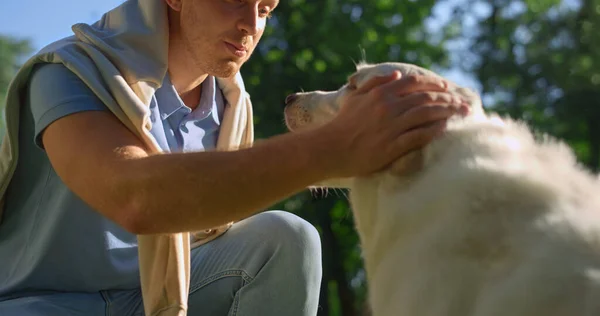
point(50, 240)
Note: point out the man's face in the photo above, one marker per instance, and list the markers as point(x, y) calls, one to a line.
point(220, 35)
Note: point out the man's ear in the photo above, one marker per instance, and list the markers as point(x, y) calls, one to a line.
point(407, 164)
point(174, 4)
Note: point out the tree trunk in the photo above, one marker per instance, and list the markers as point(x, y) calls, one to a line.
point(586, 14)
point(594, 141)
point(331, 250)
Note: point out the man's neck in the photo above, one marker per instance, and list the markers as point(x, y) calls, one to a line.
point(187, 83)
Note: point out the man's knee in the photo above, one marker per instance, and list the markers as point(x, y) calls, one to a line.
point(295, 235)
point(75, 304)
point(291, 247)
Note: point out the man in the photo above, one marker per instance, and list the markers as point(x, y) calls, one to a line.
point(85, 186)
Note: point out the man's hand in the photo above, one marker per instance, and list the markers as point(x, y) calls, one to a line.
point(109, 168)
point(386, 118)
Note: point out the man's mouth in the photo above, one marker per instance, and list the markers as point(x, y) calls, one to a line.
point(237, 49)
point(238, 46)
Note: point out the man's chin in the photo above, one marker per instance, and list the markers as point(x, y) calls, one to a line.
point(226, 69)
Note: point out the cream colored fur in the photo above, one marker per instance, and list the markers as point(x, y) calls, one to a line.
point(492, 222)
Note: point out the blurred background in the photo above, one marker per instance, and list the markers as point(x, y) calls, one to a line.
point(537, 60)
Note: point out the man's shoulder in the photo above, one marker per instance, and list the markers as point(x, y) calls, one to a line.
point(54, 92)
point(54, 79)
point(49, 72)
point(64, 43)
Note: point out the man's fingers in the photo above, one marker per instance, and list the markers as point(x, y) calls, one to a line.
point(378, 81)
point(422, 116)
point(418, 137)
point(418, 99)
point(414, 83)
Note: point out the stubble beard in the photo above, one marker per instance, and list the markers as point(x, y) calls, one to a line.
point(206, 60)
point(207, 56)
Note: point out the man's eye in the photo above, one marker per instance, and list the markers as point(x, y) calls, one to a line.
point(265, 13)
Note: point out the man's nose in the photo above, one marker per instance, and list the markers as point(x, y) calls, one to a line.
point(250, 23)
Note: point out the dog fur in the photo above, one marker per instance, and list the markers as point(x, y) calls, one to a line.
point(492, 221)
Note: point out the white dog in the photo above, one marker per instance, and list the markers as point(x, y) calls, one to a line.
point(493, 222)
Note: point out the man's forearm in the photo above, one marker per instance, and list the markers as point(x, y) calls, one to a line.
point(195, 191)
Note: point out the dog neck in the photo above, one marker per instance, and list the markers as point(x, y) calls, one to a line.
point(394, 210)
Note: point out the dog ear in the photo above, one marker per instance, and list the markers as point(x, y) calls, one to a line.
point(407, 164)
point(353, 80)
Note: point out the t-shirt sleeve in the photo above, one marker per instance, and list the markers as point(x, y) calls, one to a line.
point(55, 92)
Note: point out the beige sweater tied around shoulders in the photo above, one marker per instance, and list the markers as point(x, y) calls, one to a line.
point(123, 59)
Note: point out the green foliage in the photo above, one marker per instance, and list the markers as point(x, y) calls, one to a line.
point(11, 51)
point(538, 61)
point(314, 45)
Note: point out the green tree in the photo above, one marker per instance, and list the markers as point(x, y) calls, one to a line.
point(314, 45)
point(539, 61)
point(11, 51)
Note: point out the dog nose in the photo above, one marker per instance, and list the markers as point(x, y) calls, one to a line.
point(291, 98)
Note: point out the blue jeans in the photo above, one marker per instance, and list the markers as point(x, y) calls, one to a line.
point(267, 264)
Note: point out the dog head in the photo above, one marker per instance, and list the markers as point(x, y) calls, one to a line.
point(312, 109)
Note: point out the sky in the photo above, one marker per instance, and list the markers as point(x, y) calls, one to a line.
point(41, 20)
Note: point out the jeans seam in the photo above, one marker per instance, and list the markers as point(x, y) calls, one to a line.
point(223, 274)
point(107, 301)
point(236, 300)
